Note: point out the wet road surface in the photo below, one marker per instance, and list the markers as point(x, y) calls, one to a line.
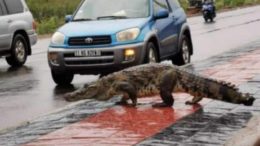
point(29, 92)
point(230, 30)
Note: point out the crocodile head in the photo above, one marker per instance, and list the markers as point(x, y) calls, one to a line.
point(88, 92)
point(97, 91)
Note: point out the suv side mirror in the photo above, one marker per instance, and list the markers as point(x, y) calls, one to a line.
point(68, 18)
point(162, 14)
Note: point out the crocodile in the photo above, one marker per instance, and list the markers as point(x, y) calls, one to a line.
point(158, 78)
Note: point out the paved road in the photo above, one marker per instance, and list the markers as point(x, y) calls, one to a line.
point(29, 92)
point(211, 122)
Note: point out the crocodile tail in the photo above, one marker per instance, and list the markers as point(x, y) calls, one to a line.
point(220, 90)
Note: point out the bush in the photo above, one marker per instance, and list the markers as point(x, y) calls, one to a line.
point(237, 3)
point(50, 14)
point(220, 4)
point(49, 25)
point(184, 4)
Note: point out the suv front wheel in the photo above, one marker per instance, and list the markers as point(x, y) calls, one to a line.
point(19, 51)
point(151, 56)
point(184, 55)
point(62, 78)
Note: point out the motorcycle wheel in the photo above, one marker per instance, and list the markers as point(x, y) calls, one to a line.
point(206, 19)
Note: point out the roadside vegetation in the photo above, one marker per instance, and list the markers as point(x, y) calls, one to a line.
point(225, 4)
point(50, 14)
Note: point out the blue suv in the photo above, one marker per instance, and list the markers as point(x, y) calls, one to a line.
point(108, 35)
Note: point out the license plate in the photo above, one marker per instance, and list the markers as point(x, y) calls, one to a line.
point(87, 53)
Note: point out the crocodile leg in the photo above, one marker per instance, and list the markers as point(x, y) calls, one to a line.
point(129, 92)
point(167, 84)
point(167, 98)
point(194, 100)
point(123, 100)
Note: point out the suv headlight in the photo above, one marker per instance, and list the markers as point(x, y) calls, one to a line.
point(58, 38)
point(127, 35)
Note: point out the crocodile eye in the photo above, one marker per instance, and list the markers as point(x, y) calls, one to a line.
point(86, 85)
point(92, 87)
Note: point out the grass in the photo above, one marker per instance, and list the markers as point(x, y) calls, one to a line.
point(50, 14)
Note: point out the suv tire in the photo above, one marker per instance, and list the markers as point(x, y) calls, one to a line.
point(151, 56)
point(62, 78)
point(184, 55)
point(19, 51)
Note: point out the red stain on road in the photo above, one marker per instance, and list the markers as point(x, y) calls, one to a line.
point(122, 126)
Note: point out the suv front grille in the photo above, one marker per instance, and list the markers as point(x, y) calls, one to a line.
point(107, 57)
point(89, 62)
point(90, 40)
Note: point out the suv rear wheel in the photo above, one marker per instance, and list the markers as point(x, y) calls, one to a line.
point(19, 51)
point(62, 78)
point(151, 56)
point(183, 57)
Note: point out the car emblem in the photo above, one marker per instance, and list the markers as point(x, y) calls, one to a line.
point(89, 40)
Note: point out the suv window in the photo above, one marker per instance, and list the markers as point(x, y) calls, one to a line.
point(174, 4)
point(160, 4)
point(14, 6)
point(102, 9)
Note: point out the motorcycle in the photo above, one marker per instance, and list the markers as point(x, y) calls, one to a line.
point(208, 11)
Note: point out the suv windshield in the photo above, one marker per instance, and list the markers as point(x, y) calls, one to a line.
point(112, 9)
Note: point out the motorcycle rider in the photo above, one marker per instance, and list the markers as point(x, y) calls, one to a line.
point(212, 2)
point(208, 1)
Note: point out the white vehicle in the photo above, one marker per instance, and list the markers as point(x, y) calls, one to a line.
point(17, 31)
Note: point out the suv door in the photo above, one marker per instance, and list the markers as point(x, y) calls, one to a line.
point(12, 9)
point(4, 34)
point(165, 30)
point(178, 18)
